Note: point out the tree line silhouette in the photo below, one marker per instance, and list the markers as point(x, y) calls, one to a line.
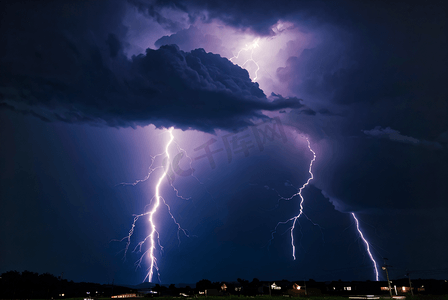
point(31, 285)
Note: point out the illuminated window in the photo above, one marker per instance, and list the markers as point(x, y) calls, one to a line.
point(275, 287)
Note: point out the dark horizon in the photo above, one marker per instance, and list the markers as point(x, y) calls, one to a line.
point(193, 284)
point(14, 285)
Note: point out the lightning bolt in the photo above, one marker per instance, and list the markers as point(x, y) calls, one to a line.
point(367, 246)
point(249, 47)
point(155, 201)
point(154, 210)
point(295, 218)
point(299, 193)
point(151, 170)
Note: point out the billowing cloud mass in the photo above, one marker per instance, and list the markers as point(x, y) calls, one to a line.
point(355, 65)
point(252, 15)
point(395, 135)
point(96, 83)
point(192, 38)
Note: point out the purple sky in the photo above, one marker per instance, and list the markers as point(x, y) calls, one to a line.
point(87, 90)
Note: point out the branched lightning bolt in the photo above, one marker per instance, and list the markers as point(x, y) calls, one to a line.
point(179, 149)
point(155, 201)
point(249, 47)
point(299, 193)
point(151, 170)
point(367, 246)
point(154, 210)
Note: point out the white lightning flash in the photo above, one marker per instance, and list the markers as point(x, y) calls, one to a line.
point(154, 210)
point(249, 48)
point(367, 246)
point(299, 193)
point(153, 237)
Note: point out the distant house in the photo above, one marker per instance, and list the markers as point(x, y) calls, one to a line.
point(125, 296)
point(398, 287)
point(276, 289)
point(341, 287)
point(405, 289)
point(297, 290)
point(234, 288)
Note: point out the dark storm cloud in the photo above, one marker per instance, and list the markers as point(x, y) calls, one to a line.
point(80, 74)
point(391, 134)
point(23, 111)
point(377, 175)
point(387, 70)
point(382, 53)
point(308, 111)
point(257, 16)
point(190, 39)
point(376, 60)
point(152, 10)
point(379, 68)
point(395, 135)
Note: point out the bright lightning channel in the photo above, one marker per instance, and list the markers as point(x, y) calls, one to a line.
point(154, 210)
point(153, 237)
point(249, 47)
point(299, 193)
point(367, 246)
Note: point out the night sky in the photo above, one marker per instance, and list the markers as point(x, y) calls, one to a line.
point(88, 90)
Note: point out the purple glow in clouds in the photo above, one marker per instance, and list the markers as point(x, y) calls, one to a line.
point(249, 48)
